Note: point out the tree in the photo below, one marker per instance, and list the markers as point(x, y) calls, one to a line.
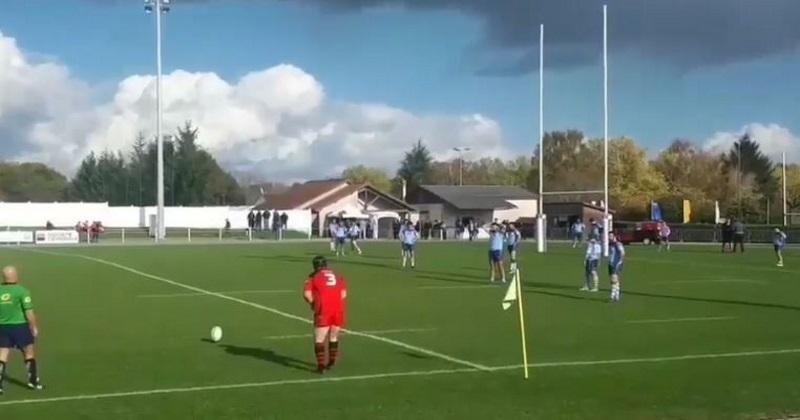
point(190, 173)
point(113, 178)
point(415, 167)
point(86, 184)
point(746, 154)
point(686, 169)
point(192, 177)
point(31, 182)
point(137, 174)
point(570, 163)
point(361, 174)
point(793, 187)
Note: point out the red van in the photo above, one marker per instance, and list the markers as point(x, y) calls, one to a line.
point(642, 232)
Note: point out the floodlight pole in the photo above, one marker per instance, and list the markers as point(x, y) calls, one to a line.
point(606, 221)
point(541, 220)
point(461, 151)
point(159, 7)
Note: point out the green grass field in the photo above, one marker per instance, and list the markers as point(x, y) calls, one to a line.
point(699, 335)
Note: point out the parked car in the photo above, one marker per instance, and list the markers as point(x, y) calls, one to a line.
point(643, 232)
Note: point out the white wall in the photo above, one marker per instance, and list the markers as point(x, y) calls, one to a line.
point(525, 208)
point(36, 215)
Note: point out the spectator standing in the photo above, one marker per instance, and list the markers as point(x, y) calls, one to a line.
point(276, 222)
point(284, 220)
point(257, 221)
point(738, 235)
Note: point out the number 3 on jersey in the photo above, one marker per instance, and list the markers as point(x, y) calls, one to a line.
point(331, 279)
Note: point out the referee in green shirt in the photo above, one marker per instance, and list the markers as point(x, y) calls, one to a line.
point(18, 327)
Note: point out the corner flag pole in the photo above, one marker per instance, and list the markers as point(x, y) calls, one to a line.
point(522, 324)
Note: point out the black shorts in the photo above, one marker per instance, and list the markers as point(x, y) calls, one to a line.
point(15, 336)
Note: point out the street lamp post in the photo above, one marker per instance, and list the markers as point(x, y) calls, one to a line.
point(461, 151)
point(159, 7)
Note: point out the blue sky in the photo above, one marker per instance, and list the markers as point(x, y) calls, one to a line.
point(431, 61)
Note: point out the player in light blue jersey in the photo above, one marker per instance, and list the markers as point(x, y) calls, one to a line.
point(578, 229)
point(594, 229)
point(513, 238)
point(354, 232)
point(779, 241)
point(593, 253)
point(332, 231)
point(400, 229)
point(409, 237)
point(341, 238)
point(496, 242)
point(616, 258)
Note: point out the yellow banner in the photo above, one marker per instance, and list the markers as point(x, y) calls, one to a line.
point(687, 211)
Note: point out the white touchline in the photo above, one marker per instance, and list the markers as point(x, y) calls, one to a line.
point(327, 379)
point(475, 286)
point(229, 292)
point(377, 332)
point(271, 310)
point(654, 359)
point(697, 319)
point(712, 281)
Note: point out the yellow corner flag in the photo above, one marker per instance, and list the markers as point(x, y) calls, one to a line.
point(514, 293)
point(687, 211)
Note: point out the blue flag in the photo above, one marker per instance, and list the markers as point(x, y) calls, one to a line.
point(655, 211)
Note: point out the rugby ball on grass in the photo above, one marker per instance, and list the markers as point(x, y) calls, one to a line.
point(216, 334)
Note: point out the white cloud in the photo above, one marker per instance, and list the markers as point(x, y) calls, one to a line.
point(773, 140)
point(276, 123)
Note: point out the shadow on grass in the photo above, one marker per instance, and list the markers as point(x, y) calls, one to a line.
point(16, 382)
point(550, 286)
point(269, 356)
point(358, 261)
point(416, 355)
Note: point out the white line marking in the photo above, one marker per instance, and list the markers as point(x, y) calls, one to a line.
point(229, 292)
point(376, 332)
point(272, 310)
point(327, 379)
point(482, 286)
point(654, 359)
point(712, 281)
point(697, 319)
point(237, 386)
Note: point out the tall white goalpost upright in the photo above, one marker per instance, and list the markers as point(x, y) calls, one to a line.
point(606, 220)
point(783, 170)
point(541, 219)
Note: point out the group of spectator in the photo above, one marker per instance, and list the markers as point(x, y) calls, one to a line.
point(468, 226)
point(266, 220)
point(91, 231)
point(733, 232)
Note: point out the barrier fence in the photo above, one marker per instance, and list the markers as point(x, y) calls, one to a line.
point(23, 235)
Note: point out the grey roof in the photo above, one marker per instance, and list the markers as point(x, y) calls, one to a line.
point(479, 197)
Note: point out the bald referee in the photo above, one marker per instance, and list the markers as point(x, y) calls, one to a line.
point(18, 328)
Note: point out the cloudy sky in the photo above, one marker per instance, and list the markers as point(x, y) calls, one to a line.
point(293, 89)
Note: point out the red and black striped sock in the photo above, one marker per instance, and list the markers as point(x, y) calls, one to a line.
point(319, 351)
point(333, 352)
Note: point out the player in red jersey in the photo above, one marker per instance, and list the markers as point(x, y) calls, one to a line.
point(326, 292)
